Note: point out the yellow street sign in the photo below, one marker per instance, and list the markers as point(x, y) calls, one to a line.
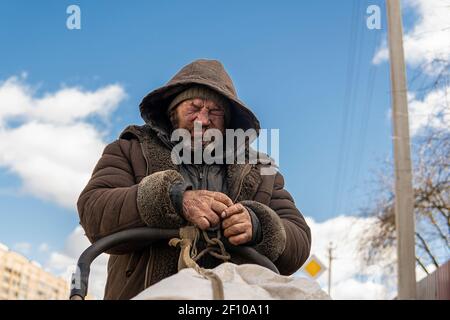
point(313, 267)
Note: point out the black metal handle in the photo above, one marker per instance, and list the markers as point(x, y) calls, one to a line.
point(144, 236)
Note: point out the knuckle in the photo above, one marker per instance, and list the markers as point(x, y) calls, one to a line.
point(204, 225)
point(214, 219)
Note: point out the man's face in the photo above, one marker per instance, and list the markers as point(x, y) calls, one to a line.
point(204, 112)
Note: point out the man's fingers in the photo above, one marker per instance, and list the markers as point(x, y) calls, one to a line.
point(236, 229)
point(206, 211)
point(222, 197)
point(234, 219)
point(232, 210)
point(239, 239)
point(197, 217)
point(202, 223)
point(218, 207)
point(212, 217)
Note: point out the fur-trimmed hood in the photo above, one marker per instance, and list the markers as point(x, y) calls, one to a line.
point(210, 73)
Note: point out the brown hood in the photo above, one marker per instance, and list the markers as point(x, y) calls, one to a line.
point(210, 73)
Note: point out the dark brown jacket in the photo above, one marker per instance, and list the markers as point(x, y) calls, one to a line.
point(130, 187)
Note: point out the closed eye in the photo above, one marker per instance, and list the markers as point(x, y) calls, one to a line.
point(217, 112)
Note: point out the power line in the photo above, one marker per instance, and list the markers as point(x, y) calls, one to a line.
point(347, 95)
point(366, 112)
point(353, 110)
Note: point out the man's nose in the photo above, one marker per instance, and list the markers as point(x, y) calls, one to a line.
point(203, 117)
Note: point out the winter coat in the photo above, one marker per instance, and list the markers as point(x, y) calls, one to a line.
point(131, 183)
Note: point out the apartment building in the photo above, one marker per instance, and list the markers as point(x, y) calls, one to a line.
point(22, 279)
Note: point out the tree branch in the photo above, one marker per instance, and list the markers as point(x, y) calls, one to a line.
point(427, 249)
point(421, 265)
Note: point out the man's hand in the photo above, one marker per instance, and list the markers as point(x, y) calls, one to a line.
point(237, 224)
point(203, 207)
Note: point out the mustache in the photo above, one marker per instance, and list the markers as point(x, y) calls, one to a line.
point(192, 130)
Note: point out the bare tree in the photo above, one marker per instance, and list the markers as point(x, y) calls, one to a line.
point(431, 206)
point(431, 184)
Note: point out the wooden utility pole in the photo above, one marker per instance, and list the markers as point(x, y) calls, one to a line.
point(330, 259)
point(404, 205)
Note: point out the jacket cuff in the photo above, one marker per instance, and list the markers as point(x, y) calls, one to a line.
point(256, 229)
point(154, 201)
point(273, 234)
point(176, 192)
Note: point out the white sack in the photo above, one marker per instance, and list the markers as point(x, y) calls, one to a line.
point(240, 282)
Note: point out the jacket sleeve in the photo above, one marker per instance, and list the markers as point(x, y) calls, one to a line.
point(113, 200)
point(286, 238)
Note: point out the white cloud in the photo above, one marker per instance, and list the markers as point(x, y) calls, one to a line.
point(65, 106)
point(382, 54)
point(426, 47)
point(43, 247)
point(428, 39)
point(350, 278)
point(352, 289)
point(48, 141)
point(22, 247)
point(430, 112)
point(63, 263)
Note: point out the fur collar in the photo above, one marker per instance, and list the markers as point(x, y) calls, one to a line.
point(242, 179)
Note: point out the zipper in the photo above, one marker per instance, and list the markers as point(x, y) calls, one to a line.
point(247, 168)
point(145, 158)
point(204, 173)
point(200, 178)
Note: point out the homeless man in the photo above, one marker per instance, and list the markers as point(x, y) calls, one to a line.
point(136, 183)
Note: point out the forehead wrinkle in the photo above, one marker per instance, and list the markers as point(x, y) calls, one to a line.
point(206, 102)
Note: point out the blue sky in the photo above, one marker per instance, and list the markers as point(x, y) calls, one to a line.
point(289, 63)
point(289, 60)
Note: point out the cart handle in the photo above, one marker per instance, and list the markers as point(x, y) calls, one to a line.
point(145, 236)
